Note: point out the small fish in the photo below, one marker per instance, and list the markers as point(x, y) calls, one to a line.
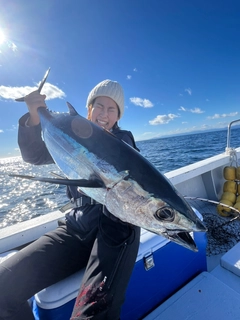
point(130, 187)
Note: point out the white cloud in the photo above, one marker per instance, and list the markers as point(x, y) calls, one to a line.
point(163, 119)
point(12, 93)
point(52, 92)
point(189, 91)
point(129, 77)
point(13, 128)
point(205, 126)
point(147, 133)
point(135, 69)
point(224, 115)
point(1, 131)
point(196, 110)
point(145, 103)
point(12, 46)
point(182, 109)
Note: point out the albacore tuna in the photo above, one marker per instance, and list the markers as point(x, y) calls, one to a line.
point(130, 187)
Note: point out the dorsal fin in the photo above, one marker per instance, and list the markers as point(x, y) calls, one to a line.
point(72, 110)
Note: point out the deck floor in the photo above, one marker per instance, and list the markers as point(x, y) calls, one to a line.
point(214, 294)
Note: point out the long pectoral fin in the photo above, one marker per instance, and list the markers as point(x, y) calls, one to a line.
point(119, 177)
point(92, 183)
point(56, 175)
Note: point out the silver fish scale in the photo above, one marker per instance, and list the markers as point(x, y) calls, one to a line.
point(128, 196)
point(78, 163)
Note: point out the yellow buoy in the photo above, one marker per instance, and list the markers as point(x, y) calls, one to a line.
point(229, 173)
point(238, 173)
point(230, 186)
point(222, 210)
point(229, 196)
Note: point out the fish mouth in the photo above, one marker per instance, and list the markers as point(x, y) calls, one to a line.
point(182, 238)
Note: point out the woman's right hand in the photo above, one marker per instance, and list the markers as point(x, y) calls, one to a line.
point(34, 100)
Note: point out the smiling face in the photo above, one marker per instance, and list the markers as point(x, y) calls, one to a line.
point(104, 112)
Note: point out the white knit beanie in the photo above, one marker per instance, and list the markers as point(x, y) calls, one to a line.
point(111, 89)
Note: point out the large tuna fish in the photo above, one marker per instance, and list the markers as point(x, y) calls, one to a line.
point(130, 187)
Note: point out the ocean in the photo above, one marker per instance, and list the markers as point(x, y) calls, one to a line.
point(22, 200)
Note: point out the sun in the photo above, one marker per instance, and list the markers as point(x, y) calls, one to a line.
point(2, 37)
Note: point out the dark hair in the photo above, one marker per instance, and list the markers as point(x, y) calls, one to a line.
point(115, 126)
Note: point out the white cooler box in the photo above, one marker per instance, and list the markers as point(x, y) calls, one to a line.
point(6, 255)
point(161, 268)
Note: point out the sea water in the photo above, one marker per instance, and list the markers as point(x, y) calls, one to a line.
point(21, 200)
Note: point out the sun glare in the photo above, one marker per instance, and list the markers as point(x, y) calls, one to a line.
point(2, 37)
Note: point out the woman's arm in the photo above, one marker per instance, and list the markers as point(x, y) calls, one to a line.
point(32, 147)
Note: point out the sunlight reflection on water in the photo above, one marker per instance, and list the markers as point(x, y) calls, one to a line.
point(20, 199)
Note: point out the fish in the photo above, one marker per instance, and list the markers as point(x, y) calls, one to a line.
point(120, 178)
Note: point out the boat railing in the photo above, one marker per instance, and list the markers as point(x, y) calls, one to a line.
point(228, 149)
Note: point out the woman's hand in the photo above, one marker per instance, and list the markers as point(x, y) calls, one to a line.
point(34, 100)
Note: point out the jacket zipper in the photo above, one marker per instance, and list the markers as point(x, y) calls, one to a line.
point(117, 264)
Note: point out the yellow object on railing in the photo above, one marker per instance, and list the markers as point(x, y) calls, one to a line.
point(222, 210)
point(229, 173)
point(231, 191)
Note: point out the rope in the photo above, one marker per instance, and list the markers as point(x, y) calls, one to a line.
point(233, 157)
point(217, 203)
point(222, 233)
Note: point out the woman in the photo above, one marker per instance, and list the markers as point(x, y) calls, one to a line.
point(90, 236)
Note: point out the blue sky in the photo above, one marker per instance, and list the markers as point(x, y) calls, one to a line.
point(177, 60)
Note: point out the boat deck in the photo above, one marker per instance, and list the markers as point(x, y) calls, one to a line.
point(214, 294)
point(205, 297)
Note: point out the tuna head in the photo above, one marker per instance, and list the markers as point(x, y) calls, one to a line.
point(131, 188)
point(130, 203)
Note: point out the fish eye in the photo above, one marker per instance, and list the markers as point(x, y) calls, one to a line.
point(164, 214)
